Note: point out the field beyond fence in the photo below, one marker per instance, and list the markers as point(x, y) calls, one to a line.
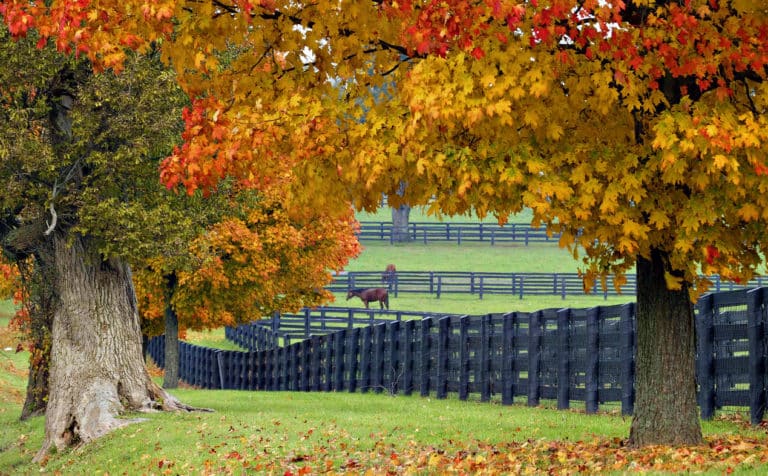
point(459, 232)
point(438, 283)
point(567, 355)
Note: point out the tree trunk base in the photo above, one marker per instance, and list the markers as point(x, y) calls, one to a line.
point(97, 370)
point(666, 409)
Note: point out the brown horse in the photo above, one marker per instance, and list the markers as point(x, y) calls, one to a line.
point(370, 294)
point(389, 275)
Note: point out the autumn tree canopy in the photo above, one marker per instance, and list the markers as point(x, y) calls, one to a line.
point(637, 129)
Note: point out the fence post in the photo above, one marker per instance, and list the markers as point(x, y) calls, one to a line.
point(439, 285)
point(394, 372)
point(459, 236)
point(755, 306)
point(425, 356)
point(407, 340)
point(431, 282)
point(285, 364)
point(521, 285)
point(377, 362)
point(482, 283)
point(328, 373)
point(485, 358)
point(443, 346)
point(292, 380)
point(705, 363)
point(275, 328)
point(365, 360)
point(464, 358)
point(564, 359)
point(627, 322)
point(593, 360)
point(508, 359)
point(307, 317)
point(353, 345)
point(339, 338)
point(534, 358)
point(306, 363)
point(316, 371)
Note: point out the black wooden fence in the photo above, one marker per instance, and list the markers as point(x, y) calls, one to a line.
point(567, 355)
point(470, 232)
point(481, 284)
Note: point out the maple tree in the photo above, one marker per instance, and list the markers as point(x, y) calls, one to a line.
point(257, 259)
point(635, 129)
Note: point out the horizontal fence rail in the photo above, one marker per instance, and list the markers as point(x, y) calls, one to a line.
point(469, 232)
point(481, 284)
point(567, 355)
point(284, 328)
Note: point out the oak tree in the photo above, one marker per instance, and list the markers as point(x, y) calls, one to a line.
point(636, 129)
point(84, 208)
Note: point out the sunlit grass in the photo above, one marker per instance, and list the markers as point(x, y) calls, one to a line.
point(278, 428)
point(507, 258)
point(473, 305)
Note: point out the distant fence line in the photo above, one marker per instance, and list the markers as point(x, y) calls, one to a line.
point(459, 232)
point(480, 284)
point(566, 355)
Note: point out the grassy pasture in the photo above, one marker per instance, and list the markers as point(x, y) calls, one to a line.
point(343, 433)
point(473, 257)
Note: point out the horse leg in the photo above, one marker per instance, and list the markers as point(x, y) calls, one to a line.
point(366, 303)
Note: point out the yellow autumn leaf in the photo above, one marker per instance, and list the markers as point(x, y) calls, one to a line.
point(674, 283)
point(749, 212)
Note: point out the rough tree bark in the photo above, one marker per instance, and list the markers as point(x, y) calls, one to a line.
point(666, 410)
point(97, 371)
point(171, 374)
point(400, 222)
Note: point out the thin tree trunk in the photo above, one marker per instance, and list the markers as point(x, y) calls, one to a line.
point(666, 410)
point(97, 370)
point(38, 282)
point(171, 375)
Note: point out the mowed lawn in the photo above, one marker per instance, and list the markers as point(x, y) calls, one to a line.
point(351, 433)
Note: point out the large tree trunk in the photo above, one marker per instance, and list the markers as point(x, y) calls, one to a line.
point(97, 371)
point(666, 410)
point(400, 224)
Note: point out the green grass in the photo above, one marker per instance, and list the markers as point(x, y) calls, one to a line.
point(473, 305)
point(273, 429)
point(473, 257)
point(540, 258)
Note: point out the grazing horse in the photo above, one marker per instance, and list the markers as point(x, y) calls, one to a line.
point(370, 294)
point(389, 275)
